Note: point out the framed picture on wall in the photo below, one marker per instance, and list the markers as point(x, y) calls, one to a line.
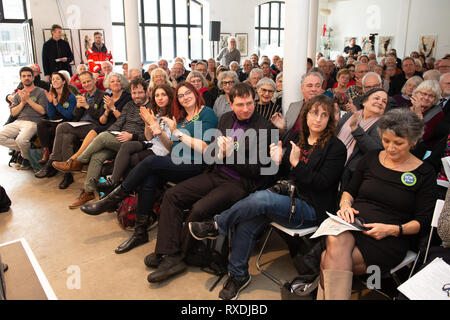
point(427, 45)
point(86, 40)
point(223, 42)
point(385, 44)
point(242, 43)
point(66, 35)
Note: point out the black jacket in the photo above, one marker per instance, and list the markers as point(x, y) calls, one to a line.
point(317, 181)
point(52, 50)
point(95, 110)
point(398, 82)
point(250, 171)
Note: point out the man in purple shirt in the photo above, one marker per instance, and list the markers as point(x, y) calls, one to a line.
point(235, 156)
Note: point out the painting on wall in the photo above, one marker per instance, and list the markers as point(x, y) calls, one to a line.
point(223, 42)
point(427, 46)
point(66, 35)
point(242, 43)
point(384, 45)
point(86, 41)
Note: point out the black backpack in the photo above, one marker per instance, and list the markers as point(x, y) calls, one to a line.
point(211, 256)
point(5, 202)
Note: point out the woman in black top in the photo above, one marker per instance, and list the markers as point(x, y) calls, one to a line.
point(394, 194)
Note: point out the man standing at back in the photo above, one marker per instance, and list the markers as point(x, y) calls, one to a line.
point(230, 53)
point(98, 53)
point(56, 53)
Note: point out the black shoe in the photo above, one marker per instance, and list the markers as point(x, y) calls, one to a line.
point(153, 260)
point(140, 236)
point(233, 287)
point(25, 165)
point(67, 181)
point(106, 186)
point(47, 171)
point(203, 230)
point(170, 266)
point(107, 203)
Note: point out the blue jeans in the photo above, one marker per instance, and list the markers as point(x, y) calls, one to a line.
point(151, 173)
point(247, 219)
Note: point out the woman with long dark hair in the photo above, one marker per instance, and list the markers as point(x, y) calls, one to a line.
point(156, 131)
point(190, 121)
point(61, 104)
point(313, 162)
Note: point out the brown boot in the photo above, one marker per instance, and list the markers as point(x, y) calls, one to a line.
point(71, 165)
point(337, 284)
point(82, 199)
point(45, 156)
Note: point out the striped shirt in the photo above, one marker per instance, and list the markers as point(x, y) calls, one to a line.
point(267, 110)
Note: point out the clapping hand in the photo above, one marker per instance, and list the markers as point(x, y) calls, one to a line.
point(109, 103)
point(226, 146)
point(278, 121)
point(276, 152)
point(350, 107)
point(354, 120)
point(24, 96)
point(50, 97)
point(416, 106)
point(147, 115)
point(171, 123)
point(294, 157)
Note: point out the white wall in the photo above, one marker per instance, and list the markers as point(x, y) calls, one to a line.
point(73, 14)
point(406, 20)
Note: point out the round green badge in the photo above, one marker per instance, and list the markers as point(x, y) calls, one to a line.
point(236, 146)
point(409, 179)
point(66, 105)
point(33, 98)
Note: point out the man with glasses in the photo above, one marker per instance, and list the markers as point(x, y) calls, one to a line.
point(361, 69)
point(230, 178)
point(444, 66)
point(230, 53)
point(371, 81)
point(409, 70)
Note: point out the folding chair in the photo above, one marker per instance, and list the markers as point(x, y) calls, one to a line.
point(434, 224)
point(292, 233)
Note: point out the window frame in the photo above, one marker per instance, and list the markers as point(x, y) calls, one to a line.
point(2, 14)
point(270, 28)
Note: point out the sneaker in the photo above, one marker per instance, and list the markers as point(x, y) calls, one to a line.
point(203, 230)
point(25, 165)
point(233, 287)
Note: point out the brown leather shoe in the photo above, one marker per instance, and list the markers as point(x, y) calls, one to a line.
point(82, 199)
point(70, 165)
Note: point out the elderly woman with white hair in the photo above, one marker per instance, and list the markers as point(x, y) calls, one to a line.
point(227, 80)
point(234, 66)
point(403, 99)
point(157, 77)
point(264, 105)
point(425, 104)
point(197, 79)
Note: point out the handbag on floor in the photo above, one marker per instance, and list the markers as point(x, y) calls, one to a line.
point(5, 202)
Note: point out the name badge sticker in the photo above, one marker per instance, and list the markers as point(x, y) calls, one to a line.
point(236, 146)
point(409, 179)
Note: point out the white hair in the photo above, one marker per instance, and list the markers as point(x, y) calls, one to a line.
point(371, 74)
point(432, 75)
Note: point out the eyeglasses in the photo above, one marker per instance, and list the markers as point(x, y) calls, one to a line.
point(430, 96)
point(378, 85)
point(228, 83)
point(182, 95)
point(315, 114)
point(267, 91)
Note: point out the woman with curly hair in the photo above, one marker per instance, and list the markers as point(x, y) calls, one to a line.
point(313, 162)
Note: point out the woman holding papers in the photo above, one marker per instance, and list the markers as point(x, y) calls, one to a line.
point(394, 193)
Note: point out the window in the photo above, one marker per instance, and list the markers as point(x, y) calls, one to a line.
point(269, 24)
point(168, 28)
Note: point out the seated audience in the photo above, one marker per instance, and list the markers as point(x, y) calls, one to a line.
point(444, 66)
point(147, 74)
point(443, 127)
point(264, 105)
point(90, 108)
point(358, 130)
point(404, 98)
point(28, 108)
point(255, 75)
point(339, 91)
point(213, 93)
point(234, 66)
point(60, 106)
point(134, 73)
point(313, 161)
point(157, 136)
point(431, 75)
point(128, 127)
point(177, 74)
point(327, 81)
point(157, 77)
point(392, 192)
point(38, 82)
point(106, 69)
point(226, 81)
point(202, 67)
point(274, 65)
point(211, 70)
point(267, 72)
point(357, 89)
point(163, 64)
point(255, 59)
point(278, 94)
point(151, 173)
point(214, 191)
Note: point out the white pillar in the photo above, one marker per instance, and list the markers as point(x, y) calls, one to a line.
point(312, 34)
point(132, 34)
point(295, 49)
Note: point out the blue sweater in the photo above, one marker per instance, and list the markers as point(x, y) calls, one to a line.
point(64, 111)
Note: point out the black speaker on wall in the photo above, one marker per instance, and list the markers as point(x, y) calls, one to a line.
point(214, 30)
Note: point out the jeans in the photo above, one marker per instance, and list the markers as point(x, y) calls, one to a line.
point(247, 219)
point(151, 173)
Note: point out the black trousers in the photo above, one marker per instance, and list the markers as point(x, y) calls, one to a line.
point(46, 133)
point(206, 195)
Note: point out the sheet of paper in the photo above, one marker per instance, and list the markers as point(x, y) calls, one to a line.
point(79, 124)
point(337, 219)
point(330, 227)
point(427, 283)
point(58, 120)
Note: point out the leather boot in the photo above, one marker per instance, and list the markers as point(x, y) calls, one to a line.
point(107, 203)
point(47, 171)
point(106, 186)
point(337, 284)
point(140, 235)
point(45, 156)
point(67, 181)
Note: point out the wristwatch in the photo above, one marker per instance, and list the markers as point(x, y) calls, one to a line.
point(179, 135)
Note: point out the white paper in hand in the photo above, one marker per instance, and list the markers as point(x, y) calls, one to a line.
point(333, 226)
